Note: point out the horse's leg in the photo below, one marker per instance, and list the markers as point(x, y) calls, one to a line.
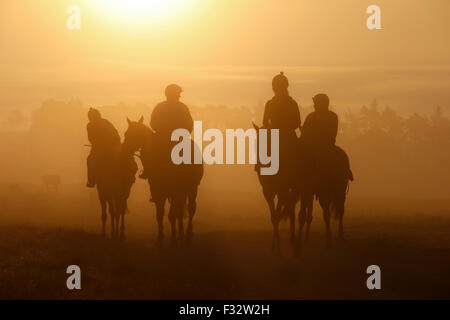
point(104, 216)
point(180, 225)
point(122, 226)
point(270, 196)
point(160, 219)
point(179, 207)
point(112, 213)
point(340, 213)
point(291, 208)
point(325, 204)
point(276, 222)
point(341, 227)
point(112, 227)
point(192, 207)
point(117, 223)
point(308, 209)
point(301, 223)
point(173, 222)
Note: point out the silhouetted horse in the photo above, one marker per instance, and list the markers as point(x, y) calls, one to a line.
point(283, 189)
point(325, 175)
point(176, 183)
point(114, 180)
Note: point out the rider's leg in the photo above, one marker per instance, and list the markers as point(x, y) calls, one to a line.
point(90, 170)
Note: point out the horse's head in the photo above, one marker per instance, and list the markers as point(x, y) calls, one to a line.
point(268, 151)
point(136, 135)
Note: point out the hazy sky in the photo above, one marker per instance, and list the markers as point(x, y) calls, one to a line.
point(226, 51)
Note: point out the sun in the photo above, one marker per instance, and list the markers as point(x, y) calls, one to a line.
point(138, 10)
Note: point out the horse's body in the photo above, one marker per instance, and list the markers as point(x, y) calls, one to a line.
point(177, 184)
point(114, 181)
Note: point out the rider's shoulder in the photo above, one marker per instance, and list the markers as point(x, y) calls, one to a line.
point(182, 105)
point(332, 114)
point(293, 101)
point(161, 104)
point(311, 116)
point(340, 151)
point(104, 121)
point(270, 103)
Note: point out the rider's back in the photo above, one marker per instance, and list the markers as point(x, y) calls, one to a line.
point(320, 128)
point(281, 112)
point(170, 115)
point(102, 133)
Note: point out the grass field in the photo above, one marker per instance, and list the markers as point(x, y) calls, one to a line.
point(230, 256)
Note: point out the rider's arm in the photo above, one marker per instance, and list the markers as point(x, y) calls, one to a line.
point(296, 120)
point(189, 123)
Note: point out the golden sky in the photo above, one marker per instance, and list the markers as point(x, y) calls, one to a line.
point(225, 51)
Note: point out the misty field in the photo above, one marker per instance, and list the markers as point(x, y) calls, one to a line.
point(41, 233)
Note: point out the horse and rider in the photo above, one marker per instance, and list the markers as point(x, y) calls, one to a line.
point(111, 168)
point(175, 184)
point(310, 165)
point(111, 165)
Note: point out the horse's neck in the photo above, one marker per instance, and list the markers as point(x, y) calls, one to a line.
point(148, 137)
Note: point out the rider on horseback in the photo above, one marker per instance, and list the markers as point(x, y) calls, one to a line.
point(104, 138)
point(281, 112)
point(319, 131)
point(320, 127)
point(171, 114)
point(166, 117)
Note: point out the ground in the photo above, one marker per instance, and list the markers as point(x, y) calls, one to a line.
point(223, 265)
point(230, 256)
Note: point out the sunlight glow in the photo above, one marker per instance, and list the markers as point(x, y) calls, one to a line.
point(133, 10)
